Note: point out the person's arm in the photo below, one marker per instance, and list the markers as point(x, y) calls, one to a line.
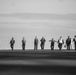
point(10, 42)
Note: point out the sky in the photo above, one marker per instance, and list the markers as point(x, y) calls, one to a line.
point(30, 18)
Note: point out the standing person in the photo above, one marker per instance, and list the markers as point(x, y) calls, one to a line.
point(60, 42)
point(68, 43)
point(71, 43)
point(23, 43)
point(74, 40)
point(36, 43)
point(42, 43)
point(52, 43)
point(12, 43)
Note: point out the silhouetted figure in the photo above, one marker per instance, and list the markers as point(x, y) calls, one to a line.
point(71, 43)
point(52, 43)
point(23, 43)
point(12, 43)
point(35, 43)
point(68, 43)
point(42, 43)
point(74, 40)
point(60, 42)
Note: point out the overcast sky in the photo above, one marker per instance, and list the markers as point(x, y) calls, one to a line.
point(38, 6)
point(30, 18)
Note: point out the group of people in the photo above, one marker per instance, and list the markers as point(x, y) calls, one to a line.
point(60, 43)
point(12, 42)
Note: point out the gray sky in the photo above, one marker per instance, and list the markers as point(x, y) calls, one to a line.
point(30, 18)
point(38, 6)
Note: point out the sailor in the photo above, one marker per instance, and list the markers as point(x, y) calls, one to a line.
point(12, 43)
point(42, 43)
point(23, 43)
point(52, 43)
point(74, 40)
point(36, 43)
point(60, 42)
point(68, 43)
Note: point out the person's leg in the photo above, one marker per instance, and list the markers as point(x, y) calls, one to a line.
point(69, 47)
point(52, 47)
point(22, 46)
point(60, 46)
point(12, 47)
point(43, 46)
point(34, 46)
point(75, 46)
point(37, 47)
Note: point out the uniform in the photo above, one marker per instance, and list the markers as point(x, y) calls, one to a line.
point(68, 43)
point(23, 44)
point(35, 44)
point(52, 44)
point(74, 43)
point(12, 43)
point(42, 43)
point(60, 43)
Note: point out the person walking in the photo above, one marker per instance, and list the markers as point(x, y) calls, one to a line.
point(52, 43)
point(74, 40)
point(12, 42)
point(23, 43)
point(68, 43)
point(60, 42)
point(42, 43)
point(36, 43)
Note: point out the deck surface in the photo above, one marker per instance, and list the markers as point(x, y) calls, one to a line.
point(30, 62)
